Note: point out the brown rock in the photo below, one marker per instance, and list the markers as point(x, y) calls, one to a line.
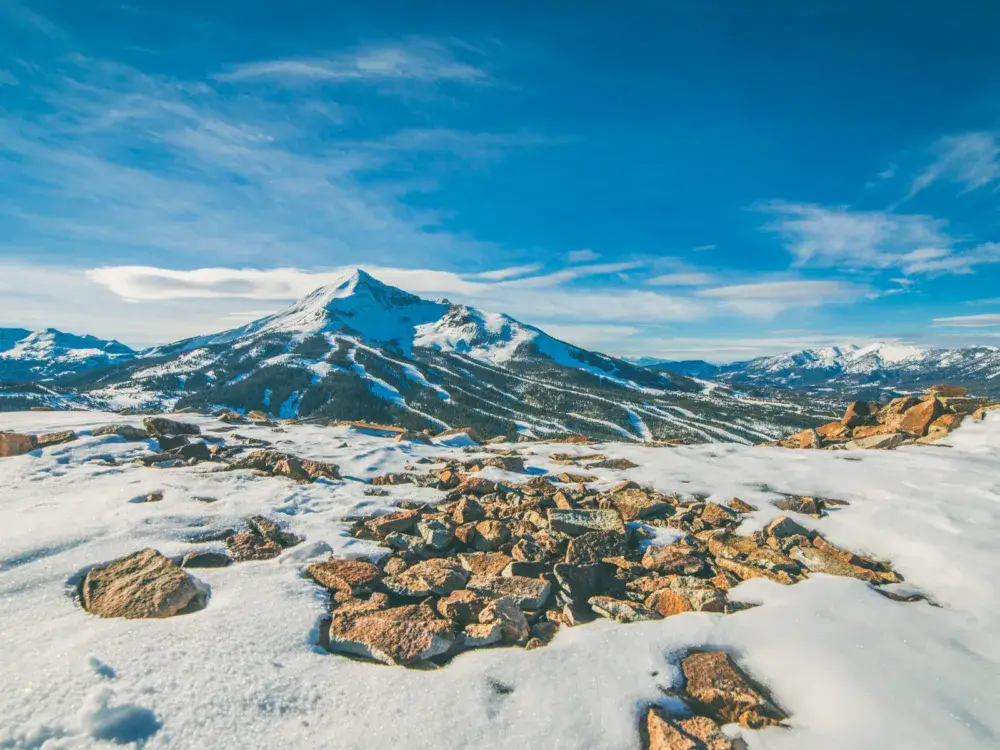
point(127, 431)
point(719, 689)
point(56, 438)
point(468, 510)
point(877, 442)
point(664, 734)
point(16, 444)
point(613, 463)
point(677, 558)
point(462, 606)
point(401, 521)
point(857, 413)
point(399, 635)
point(634, 503)
point(568, 478)
point(740, 506)
point(707, 732)
point(514, 625)
point(163, 427)
point(808, 438)
point(490, 535)
point(874, 429)
point(439, 576)
point(666, 602)
point(948, 391)
point(833, 432)
point(354, 577)
point(594, 546)
point(892, 413)
point(527, 593)
point(247, 545)
point(917, 419)
point(783, 526)
point(718, 516)
point(808, 505)
point(480, 635)
point(145, 584)
point(484, 563)
point(943, 425)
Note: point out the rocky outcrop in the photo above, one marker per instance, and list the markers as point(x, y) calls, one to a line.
point(263, 541)
point(402, 636)
point(276, 463)
point(126, 431)
point(143, 585)
point(16, 444)
point(158, 427)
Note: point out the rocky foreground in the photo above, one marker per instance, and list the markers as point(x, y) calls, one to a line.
point(477, 549)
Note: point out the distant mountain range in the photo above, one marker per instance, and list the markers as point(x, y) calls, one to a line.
point(360, 349)
point(870, 371)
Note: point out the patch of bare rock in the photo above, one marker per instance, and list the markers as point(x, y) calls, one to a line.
point(868, 425)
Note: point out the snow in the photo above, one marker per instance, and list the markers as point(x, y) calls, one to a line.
point(853, 669)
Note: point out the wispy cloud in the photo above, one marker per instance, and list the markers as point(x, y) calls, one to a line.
point(702, 248)
point(508, 273)
point(841, 237)
point(682, 279)
point(423, 60)
point(7, 78)
point(27, 18)
point(768, 299)
point(971, 160)
point(969, 321)
point(582, 256)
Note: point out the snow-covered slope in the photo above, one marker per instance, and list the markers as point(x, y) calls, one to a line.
point(876, 367)
point(360, 349)
point(44, 355)
point(851, 668)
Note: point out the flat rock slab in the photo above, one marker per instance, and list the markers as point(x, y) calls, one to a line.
point(636, 503)
point(594, 546)
point(528, 593)
point(575, 522)
point(352, 577)
point(143, 585)
point(722, 691)
point(400, 635)
point(163, 427)
point(439, 577)
point(206, 560)
point(621, 610)
point(126, 431)
point(485, 563)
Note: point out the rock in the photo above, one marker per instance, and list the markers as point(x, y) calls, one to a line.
point(463, 606)
point(16, 444)
point(475, 486)
point(858, 413)
point(480, 635)
point(153, 497)
point(808, 506)
point(436, 534)
point(399, 635)
point(527, 593)
point(567, 478)
point(675, 559)
point(142, 585)
point(594, 546)
point(484, 563)
point(718, 516)
point(439, 576)
point(667, 602)
point(247, 545)
point(402, 521)
point(581, 582)
point(917, 419)
point(343, 603)
point(514, 626)
point(664, 734)
point(575, 522)
point(823, 557)
point(468, 510)
point(270, 530)
point(948, 391)
point(808, 438)
point(874, 429)
point(171, 442)
point(490, 536)
point(613, 463)
point(277, 463)
point(162, 427)
point(634, 503)
point(964, 406)
point(393, 479)
point(525, 569)
point(783, 526)
point(943, 425)
point(893, 412)
point(877, 442)
point(408, 436)
point(56, 438)
point(621, 610)
point(126, 431)
point(352, 577)
point(719, 689)
point(707, 732)
point(407, 543)
point(834, 432)
point(198, 451)
point(206, 560)
point(741, 507)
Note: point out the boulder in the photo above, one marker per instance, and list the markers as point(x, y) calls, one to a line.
point(401, 521)
point(143, 585)
point(468, 510)
point(676, 559)
point(206, 560)
point(16, 444)
point(484, 563)
point(692, 733)
point(783, 526)
point(480, 635)
point(621, 610)
point(400, 636)
point(436, 534)
point(439, 576)
point(353, 577)
point(56, 438)
point(893, 412)
point(858, 413)
point(808, 505)
point(877, 442)
point(634, 503)
point(720, 690)
point(917, 419)
point(490, 536)
point(246, 545)
point(575, 522)
point(943, 425)
point(808, 438)
point(126, 431)
point(514, 627)
point(833, 432)
point(718, 516)
point(527, 593)
point(873, 429)
point(613, 463)
point(162, 427)
point(581, 582)
point(594, 546)
point(567, 478)
point(462, 606)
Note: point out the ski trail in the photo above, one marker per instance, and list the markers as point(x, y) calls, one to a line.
point(409, 370)
point(638, 424)
point(386, 391)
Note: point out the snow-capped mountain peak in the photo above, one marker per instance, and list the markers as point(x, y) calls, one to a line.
point(49, 353)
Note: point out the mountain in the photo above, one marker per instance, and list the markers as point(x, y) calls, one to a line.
point(29, 356)
point(871, 371)
point(360, 349)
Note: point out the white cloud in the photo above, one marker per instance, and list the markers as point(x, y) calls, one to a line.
point(582, 256)
point(682, 279)
point(971, 160)
point(598, 337)
point(840, 237)
point(703, 248)
point(969, 321)
point(768, 299)
point(725, 349)
point(421, 60)
point(508, 273)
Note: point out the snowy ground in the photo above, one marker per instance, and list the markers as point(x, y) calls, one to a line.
point(853, 669)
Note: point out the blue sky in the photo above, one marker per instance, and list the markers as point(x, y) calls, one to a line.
point(680, 179)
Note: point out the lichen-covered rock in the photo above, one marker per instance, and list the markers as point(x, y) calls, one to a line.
point(353, 577)
point(162, 427)
point(514, 625)
point(575, 522)
point(16, 444)
point(143, 585)
point(621, 610)
point(720, 690)
point(435, 533)
point(462, 606)
point(484, 563)
point(634, 503)
point(594, 546)
point(246, 546)
point(528, 593)
point(402, 521)
point(399, 635)
point(56, 438)
point(439, 576)
point(126, 431)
